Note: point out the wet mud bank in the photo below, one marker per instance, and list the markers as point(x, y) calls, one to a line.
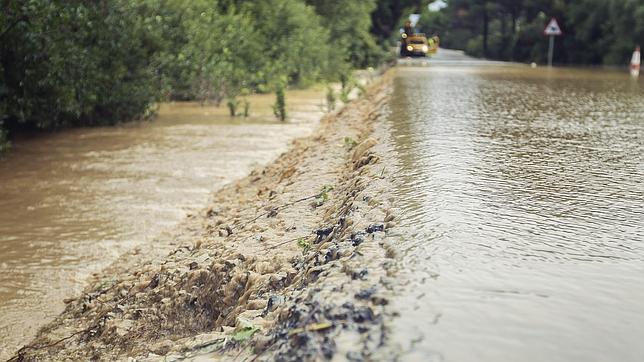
point(289, 263)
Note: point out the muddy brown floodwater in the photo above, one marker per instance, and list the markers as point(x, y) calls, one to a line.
point(521, 193)
point(72, 202)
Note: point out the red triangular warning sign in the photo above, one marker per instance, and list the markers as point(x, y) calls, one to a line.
point(552, 28)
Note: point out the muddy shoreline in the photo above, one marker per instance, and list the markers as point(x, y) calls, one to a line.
point(289, 263)
point(96, 193)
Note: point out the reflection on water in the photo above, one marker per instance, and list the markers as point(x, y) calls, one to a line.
point(70, 203)
point(523, 205)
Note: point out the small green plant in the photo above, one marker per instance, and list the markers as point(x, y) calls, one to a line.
point(244, 333)
point(323, 196)
point(232, 104)
point(361, 89)
point(330, 99)
point(246, 104)
point(344, 80)
point(279, 108)
point(344, 94)
point(304, 243)
point(347, 86)
point(326, 189)
point(349, 142)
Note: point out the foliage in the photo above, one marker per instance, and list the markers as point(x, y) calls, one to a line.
point(75, 63)
point(323, 196)
point(348, 85)
point(330, 99)
point(304, 244)
point(279, 108)
point(349, 23)
point(296, 47)
point(246, 105)
point(388, 13)
point(244, 332)
point(595, 31)
point(232, 105)
point(349, 142)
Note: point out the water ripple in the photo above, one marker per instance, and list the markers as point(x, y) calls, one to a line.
point(522, 198)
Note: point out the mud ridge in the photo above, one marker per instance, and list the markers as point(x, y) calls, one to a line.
point(280, 266)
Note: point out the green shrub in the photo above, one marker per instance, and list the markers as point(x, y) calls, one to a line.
point(4, 141)
point(279, 108)
point(75, 63)
point(330, 99)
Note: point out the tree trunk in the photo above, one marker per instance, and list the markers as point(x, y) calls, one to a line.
point(514, 23)
point(485, 29)
point(504, 37)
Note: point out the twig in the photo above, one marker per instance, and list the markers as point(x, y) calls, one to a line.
point(277, 208)
point(280, 244)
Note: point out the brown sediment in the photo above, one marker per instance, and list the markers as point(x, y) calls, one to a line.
point(289, 250)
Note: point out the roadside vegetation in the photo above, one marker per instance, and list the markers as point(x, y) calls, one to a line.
point(66, 63)
point(596, 32)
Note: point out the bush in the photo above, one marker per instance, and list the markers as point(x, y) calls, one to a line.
point(4, 141)
point(279, 108)
point(73, 62)
point(595, 31)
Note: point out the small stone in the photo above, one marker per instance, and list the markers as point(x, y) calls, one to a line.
point(379, 300)
point(363, 314)
point(331, 254)
point(154, 282)
point(273, 302)
point(300, 339)
point(359, 274)
point(365, 293)
point(328, 349)
point(374, 228)
point(356, 239)
point(323, 233)
point(355, 356)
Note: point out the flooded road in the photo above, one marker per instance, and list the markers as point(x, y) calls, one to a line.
point(522, 200)
point(72, 202)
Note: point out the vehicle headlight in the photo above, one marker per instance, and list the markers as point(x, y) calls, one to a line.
point(425, 48)
point(410, 48)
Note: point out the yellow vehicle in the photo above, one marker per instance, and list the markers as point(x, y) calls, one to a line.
point(414, 45)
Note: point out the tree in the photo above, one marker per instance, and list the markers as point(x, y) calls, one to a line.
point(349, 23)
point(595, 31)
point(386, 18)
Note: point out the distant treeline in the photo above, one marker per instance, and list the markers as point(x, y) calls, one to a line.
point(596, 32)
point(75, 62)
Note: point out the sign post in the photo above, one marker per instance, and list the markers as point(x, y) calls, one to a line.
point(552, 30)
point(414, 19)
point(635, 63)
